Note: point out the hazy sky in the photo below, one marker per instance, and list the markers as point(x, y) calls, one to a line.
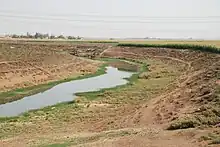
point(113, 18)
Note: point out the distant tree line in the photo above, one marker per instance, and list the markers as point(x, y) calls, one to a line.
point(43, 36)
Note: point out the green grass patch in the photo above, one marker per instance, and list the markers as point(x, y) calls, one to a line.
point(94, 95)
point(203, 48)
point(184, 123)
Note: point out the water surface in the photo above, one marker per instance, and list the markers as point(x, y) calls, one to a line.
point(65, 92)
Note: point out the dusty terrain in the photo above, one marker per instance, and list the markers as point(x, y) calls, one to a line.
point(24, 65)
point(180, 90)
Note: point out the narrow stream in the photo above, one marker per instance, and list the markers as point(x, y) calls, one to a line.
point(65, 92)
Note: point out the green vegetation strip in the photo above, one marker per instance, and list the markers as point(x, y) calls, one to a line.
point(13, 95)
point(204, 48)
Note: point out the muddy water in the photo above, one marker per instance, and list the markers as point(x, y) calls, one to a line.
point(65, 92)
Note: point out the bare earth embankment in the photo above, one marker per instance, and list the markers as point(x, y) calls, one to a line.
point(29, 64)
point(175, 103)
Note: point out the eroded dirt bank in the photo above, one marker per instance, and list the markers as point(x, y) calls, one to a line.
point(28, 64)
point(195, 86)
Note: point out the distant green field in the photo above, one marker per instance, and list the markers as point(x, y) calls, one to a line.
point(204, 48)
point(215, 43)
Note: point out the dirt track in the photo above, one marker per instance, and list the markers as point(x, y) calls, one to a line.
point(137, 115)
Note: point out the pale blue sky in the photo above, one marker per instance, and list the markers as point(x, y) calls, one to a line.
point(113, 18)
